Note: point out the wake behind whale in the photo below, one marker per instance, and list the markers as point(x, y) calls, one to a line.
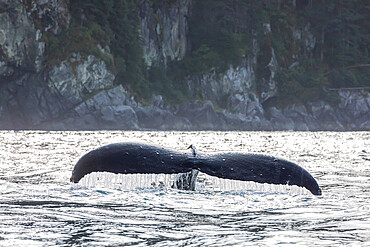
point(133, 158)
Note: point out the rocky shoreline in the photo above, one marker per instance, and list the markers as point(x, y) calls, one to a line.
point(115, 109)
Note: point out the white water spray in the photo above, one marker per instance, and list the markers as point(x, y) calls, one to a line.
point(127, 181)
point(203, 182)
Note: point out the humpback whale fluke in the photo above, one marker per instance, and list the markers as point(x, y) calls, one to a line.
point(133, 158)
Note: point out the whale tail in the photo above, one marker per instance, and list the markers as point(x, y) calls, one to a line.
point(131, 158)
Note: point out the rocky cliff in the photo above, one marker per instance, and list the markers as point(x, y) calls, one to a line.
point(80, 92)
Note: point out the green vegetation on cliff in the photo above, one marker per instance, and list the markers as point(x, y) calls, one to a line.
point(222, 33)
point(342, 32)
point(113, 23)
point(340, 57)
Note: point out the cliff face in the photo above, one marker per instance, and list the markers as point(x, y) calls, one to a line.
point(164, 31)
point(21, 27)
point(80, 92)
point(34, 95)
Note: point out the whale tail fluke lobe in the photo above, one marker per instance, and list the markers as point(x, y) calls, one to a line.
point(132, 158)
point(258, 168)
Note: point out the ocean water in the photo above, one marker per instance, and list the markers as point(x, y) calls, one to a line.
point(40, 207)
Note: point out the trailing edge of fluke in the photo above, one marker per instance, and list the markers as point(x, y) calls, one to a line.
point(134, 158)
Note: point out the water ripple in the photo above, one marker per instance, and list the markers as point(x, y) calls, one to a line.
point(38, 206)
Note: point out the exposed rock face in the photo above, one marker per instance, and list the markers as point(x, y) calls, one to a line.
point(152, 117)
point(21, 48)
point(354, 110)
point(18, 39)
point(80, 93)
point(74, 80)
point(247, 105)
point(305, 37)
point(164, 31)
point(234, 91)
point(352, 113)
point(297, 114)
point(269, 88)
point(27, 103)
point(278, 120)
point(215, 86)
point(36, 99)
point(105, 110)
point(203, 116)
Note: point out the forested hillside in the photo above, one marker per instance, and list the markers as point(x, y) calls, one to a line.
point(222, 33)
point(185, 64)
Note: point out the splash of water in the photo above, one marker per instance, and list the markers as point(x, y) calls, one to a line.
point(127, 181)
point(203, 182)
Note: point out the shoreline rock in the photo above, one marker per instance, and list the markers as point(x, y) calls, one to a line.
point(114, 109)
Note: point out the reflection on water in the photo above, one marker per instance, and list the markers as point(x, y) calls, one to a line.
point(38, 205)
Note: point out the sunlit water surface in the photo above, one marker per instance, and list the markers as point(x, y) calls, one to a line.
point(40, 207)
